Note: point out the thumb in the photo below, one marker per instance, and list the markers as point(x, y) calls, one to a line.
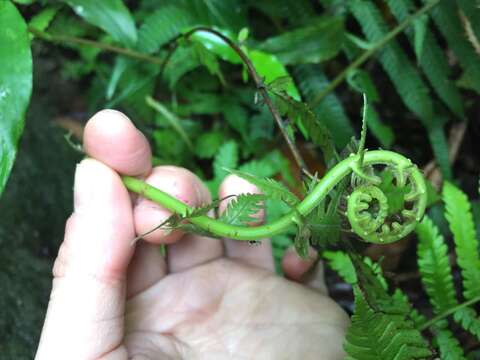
point(86, 310)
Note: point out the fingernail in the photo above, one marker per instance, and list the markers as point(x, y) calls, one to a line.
point(86, 189)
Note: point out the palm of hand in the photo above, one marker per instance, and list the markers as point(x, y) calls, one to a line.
point(226, 310)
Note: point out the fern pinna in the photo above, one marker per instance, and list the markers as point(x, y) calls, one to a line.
point(385, 316)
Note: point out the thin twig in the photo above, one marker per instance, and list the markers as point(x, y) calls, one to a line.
point(92, 43)
point(370, 52)
point(448, 312)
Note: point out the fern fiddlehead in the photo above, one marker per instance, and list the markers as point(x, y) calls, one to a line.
point(367, 212)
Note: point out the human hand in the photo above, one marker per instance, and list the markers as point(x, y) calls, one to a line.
point(209, 299)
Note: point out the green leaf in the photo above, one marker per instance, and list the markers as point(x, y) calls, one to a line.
point(395, 195)
point(319, 41)
point(207, 144)
point(446, 18)
point(311, 80)
point(468, 318)
point(242, 209)
point(227, 158)
point(431, 58)
point(243, 35)
point(438, 140)
point(460, 219)
point(342, 264)
point(15, 84)
point(450, 348)
point(406, 79)
point(172, 119)
point(308, 123)
point(301, 243)
point(163, 25)
point(207, 59)
point(42, 20)
point(434, 266)
point(420, 25)
point(110, 15)
point(381, 336)
point(269, 187)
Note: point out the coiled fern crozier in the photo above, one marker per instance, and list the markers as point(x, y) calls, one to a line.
point(385, 326)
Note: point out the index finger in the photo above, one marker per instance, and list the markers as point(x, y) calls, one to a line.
point(111, 138)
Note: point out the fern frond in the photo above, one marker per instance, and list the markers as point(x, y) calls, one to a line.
point(435, 269)
point(242, 209)
point(379, 336)
point(305, 119)
point(448, 345)
point(395, 62)
point(439, 143)
point(472, 12)
point(269, 187)
point(162, 26)
point(447, 20)
point(433, 60)
point(311, 80)
point(341, 263)
point(227, 157)
point(459, 216)
point(469, 320)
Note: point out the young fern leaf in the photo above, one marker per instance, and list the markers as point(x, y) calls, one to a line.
point(460, 218)
point(242, 209)
point(404, 76)
point(305, 118)
point(380, 336)
point(432, 59)
point(269, 187)
point(311, 80)
point(434, 266)
point(445, 16)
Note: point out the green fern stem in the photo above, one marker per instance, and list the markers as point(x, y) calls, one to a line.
point(406, 173)
point(448, 312)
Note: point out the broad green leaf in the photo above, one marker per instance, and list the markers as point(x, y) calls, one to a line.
point(110, 15)
point(15, 84)
point(317, 42)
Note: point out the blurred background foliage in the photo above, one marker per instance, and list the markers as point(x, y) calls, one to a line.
point(417, 61)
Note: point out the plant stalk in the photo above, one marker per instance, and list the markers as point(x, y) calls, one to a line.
point(334, 176)
point(448, 312)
